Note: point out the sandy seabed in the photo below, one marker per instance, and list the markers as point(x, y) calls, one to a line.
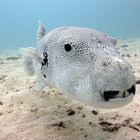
point(49, 115)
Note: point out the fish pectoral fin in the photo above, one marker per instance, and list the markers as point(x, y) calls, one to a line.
point(31, 52)
point(40, 84)
point(30, 58)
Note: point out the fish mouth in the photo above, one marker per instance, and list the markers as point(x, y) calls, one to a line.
point(112, 95)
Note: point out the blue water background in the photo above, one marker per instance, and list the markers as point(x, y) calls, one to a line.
point(18, 18)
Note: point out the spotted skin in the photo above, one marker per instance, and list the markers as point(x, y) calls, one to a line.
point(84, 64)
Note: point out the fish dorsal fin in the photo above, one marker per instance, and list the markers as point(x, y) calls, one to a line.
point(41, 30)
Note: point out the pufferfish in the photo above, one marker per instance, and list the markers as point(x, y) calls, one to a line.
point(81, 63)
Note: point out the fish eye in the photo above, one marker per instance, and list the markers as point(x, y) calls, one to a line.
point(67, 47)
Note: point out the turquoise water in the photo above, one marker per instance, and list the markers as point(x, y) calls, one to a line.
point(18, 18)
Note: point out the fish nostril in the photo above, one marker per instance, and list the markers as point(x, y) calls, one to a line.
point(132, 90)
point(110, 94)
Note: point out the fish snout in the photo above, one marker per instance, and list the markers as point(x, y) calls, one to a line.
point(107, 95)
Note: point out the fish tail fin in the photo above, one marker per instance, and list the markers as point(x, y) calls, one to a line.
point(30, 57)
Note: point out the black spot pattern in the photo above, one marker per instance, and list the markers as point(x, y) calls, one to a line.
point(44, 62)
point(44, 75)
point(45, 59)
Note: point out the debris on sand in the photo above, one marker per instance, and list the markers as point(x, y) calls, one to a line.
point(94, 112)
point(128, 55)
point(137, 81)
point(134, 127)
point(127, 121)
point(1, 103)
point(70, 112)
point(124, 46)
point(80, 108)
point(2, 77)
point(34, 108)
point(1, 61)
point(60, 124)
point(123, 55)
point(110, 127)
point(113, 128)
point(12, 58)
point(105, 123)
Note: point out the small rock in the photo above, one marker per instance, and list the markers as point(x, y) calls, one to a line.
point(17, 90)
point(113, 118)
point(1, 103)
point(124, 46)
point(134, 127)
point(70, 112)
point(43, 91)
point(60, 124)
point(2, 77)
point(135, 55)
point(123, 55)
point(128, 55)
point(12, 58)
point(94, 112)
point(1, 61)
point(112, 128)
point(101, 118)
point(126, 122)
point(53, 90)
point(85, 135)
point(138, 124)
point(80, 108)
point(105, 123)
point(137, 81)
point(90, 123)
point(83, 116)
point(59, 106)
point(34, 108)
point(1, 113)
point(9, 111)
